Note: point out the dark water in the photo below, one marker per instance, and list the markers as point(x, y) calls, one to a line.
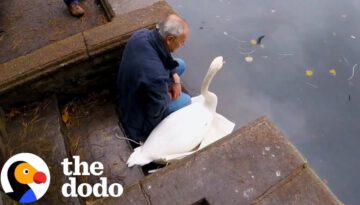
point(320, 114)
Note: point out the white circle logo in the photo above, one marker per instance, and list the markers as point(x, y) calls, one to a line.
point(25, 177)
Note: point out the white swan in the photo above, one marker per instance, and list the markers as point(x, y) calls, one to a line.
point(196, 125)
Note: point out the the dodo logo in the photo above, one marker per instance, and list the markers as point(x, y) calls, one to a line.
point(25, 177)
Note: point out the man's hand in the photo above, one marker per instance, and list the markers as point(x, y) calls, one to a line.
point(175, 89)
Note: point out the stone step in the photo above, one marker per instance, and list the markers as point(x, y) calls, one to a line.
point(93, 133)
point(132, 195)
point(50, 21)
point(79, 64)
point(254, 164)
point(305, 188)
point(115, 8)
point(36, 129)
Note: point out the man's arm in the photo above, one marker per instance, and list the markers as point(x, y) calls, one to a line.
point(157, 101)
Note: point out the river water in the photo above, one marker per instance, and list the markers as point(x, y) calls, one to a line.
point(303, 74)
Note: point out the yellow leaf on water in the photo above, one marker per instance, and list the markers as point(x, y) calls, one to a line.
point(309, 72)
point(253, 41)
point(249, 59)
point(332, 72)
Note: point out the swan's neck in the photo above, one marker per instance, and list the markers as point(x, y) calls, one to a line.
point(210, 98)
point(210, 101)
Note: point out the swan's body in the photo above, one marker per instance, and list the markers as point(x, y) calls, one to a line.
point(184, 130)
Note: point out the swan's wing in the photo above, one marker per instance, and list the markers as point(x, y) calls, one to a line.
point(220, 127)
point(173, 157)
point(197, 99)
point(180, 132)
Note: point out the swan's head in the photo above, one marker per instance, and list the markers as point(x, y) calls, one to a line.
point(217, 63)
point(138, 158)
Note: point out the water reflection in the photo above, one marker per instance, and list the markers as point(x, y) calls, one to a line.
point(320, 114)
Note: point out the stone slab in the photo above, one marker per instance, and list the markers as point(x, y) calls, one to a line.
point(116, 33)
point(131, 196)
point(235, 170)
point(93, 134)
point(36, 129)
point(69, 58)
point(26, 26)
point(42, 61)
point(119, 7)
point(305, 188)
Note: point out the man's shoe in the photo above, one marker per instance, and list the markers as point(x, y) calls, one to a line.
point(76, 10)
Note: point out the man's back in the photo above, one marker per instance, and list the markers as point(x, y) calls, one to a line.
point(142, 85)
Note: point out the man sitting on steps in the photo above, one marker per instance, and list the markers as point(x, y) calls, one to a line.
point(148, 81)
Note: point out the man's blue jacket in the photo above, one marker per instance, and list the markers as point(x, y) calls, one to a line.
point(142, 83)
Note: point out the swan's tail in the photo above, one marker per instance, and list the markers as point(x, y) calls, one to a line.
point(137, 158)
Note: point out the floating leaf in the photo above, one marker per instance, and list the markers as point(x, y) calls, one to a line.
point(257, 41)
point(253, 41)
point(332, 72)
point(309, 72)
point(249, 59)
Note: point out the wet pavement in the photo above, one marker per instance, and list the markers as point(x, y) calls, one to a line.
point(86, 127)
point(303, 74)
point(26, 26)
point(92, 133)
point(35, 128)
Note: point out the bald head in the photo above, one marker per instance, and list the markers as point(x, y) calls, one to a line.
point(173, 25)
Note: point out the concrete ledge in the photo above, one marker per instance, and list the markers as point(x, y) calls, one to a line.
point(114, 8)
point(88, 58)
point(42, 61)
point(235, 170)
point(132, 195)
point(256, 164)
point(305, 188)
point(118, 7)
point(107, 8)
point(117, 32)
